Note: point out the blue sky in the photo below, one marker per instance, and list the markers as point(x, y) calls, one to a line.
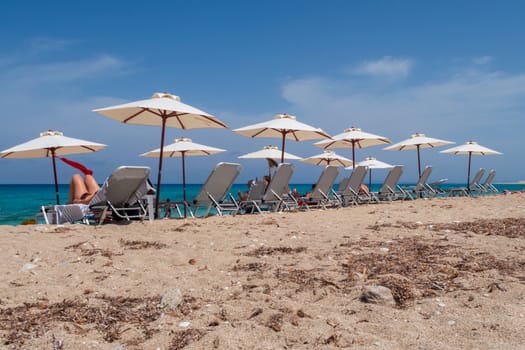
point(454, 70)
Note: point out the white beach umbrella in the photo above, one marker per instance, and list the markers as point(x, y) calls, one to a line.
point(417, 141)
point(283, 126)
point(51, 144)
point(165, 110)
point(373, 163)
point(183, 147)
point(270, 153)
point(328, 158)
point(470, 148)
point(353, 138)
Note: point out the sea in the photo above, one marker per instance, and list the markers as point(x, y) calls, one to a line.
point(21, 203)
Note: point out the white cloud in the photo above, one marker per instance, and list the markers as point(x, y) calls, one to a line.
point(487, 107)
point(482, 60)
point(387, 66)
point(35, 74)
point(44, 44)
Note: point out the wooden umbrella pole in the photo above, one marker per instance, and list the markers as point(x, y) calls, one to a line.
point(184, 181)
point(55, 175)
point(159, 175)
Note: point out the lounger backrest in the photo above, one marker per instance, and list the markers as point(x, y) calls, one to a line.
point(218, 183)
point(488, 180)
point(477, 178)
point(423, 178)
point(325, 183)
point(122, 185)
point(343, 185)
point(391, 180)
point(279, 183)
point(257, 190)
point(356, 179)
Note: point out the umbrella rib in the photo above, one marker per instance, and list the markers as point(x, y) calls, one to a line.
point(88, 148)
point(136, 114)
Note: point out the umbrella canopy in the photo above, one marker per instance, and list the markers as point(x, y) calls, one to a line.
point(353, 138)
point(183, 147)
point(373, 163)
point(51, 144)
point(470, 148)
point(328, 158)
point(165, 110)
point(283, 126)
point(417, 141)
point(270, 153)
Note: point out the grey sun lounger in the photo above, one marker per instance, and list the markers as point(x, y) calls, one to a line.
point(320, 196)
point(467, 191)
point(255, 193)
point(214, 193)
point(390, 190)
point(277, 195)
point(486, 187)
point(420, 189)
point(351, 194)
point(123, 196)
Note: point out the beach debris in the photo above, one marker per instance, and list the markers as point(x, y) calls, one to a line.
point(495, 286)
point(110, 316)
point(171, 299)
point(264, 251)
point(184, 338)
point(255, 313)
point(508, 227)
point(192, 261)
point(88, 249)
point(377, 295)
point(275, 322)
point(28, 222)
point(58, 344)
point(181, 228)
point(141, 244)
point(184, 324)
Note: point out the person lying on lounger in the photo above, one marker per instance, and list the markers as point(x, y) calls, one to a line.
point(81, 190)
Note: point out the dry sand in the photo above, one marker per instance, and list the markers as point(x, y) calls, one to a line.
point(455, 267)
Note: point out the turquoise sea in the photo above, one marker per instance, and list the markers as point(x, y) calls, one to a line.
point(22, 202)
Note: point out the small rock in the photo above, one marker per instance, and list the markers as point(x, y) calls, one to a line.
point(451, 322)
point(171, 299)
point(28, 267)
point(384, 249)
point(184, 324)
point(442, 304)
point(377, 295)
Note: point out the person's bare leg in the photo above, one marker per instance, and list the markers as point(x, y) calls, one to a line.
point(91, 184)
point(77, 188)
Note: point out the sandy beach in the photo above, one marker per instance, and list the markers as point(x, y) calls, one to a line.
point(453, 269)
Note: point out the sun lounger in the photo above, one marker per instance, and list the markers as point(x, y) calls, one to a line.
point(277, 195)
point(390, 190)
point(255, 193)
point(420, 189)
point(320, 196)
point(352, 194)
point(123, 196)
point(467, 191)
point(435, 187)
point(486, 187)
point(214, 193)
